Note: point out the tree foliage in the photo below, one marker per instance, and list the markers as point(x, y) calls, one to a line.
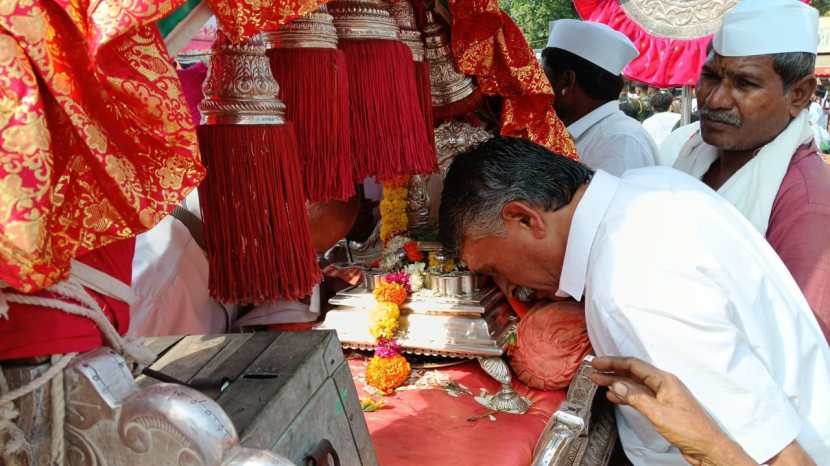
point(533, 16)
point(823, 6)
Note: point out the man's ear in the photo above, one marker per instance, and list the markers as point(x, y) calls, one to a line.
point(801, 94)
point(568, 82)
point(520, 215)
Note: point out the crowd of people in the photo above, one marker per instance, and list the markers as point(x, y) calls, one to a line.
point(706, 282)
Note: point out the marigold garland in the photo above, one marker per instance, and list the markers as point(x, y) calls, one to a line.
point(387, 374)
point(388, 292)
point(388, 369)
point(393, 217)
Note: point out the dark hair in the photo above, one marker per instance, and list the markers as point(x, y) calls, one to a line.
point(629, 109)
point(661, 102)
point(793, 67)
point(597, 83)
point(498, 171)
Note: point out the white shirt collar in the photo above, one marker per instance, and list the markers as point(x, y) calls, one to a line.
point(578, 128)
point(584, 225)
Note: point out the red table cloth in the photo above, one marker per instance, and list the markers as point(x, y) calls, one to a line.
point(429, 427)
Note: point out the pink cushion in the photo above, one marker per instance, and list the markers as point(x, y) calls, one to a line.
point(552, 341)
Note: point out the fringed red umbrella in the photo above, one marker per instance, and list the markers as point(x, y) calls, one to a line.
point(673, 37)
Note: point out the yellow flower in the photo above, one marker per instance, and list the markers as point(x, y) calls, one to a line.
point(385, 310)
point(384, 328)
point(387, 209)
point(387, 374)
point(395, 194)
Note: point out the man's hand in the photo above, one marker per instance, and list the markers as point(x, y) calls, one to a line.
point(667, 403)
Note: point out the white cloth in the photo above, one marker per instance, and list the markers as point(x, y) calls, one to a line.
point(818, 117)
point(598, 43)
point(170, 282)
point(752, 189)
point(763, 27)
point(608, 139)
point(815, 112)
point(674, 275)
point(670, 148)
point(660, 125)
point(283, 312)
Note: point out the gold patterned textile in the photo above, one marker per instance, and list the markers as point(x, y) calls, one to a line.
point(96, 143)
point(242, 19)
point(487, 44)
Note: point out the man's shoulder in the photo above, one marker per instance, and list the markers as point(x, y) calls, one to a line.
point(807, 181)
point(655, 203)
point(664, 179)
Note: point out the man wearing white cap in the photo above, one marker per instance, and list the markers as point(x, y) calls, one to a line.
point(583, 62)
point(756, 146)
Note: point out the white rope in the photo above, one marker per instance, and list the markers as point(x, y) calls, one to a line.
point(14, 439)
point(58, 415)
point(89, 308)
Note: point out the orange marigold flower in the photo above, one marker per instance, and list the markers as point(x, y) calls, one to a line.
point(390, 293)
point(387, 374)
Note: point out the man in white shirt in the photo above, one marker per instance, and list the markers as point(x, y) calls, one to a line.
point(661, 124)
point(583, 62)
point(670, 273)
point(170, 280)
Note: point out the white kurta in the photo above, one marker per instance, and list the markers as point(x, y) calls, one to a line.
point(608, 139)
point(170, 281)
point(670, 148)
point(660, 125)
point(674, 275)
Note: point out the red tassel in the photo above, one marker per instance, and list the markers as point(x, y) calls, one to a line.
point(315, 89)
point(256, 224)
point(389, 137)
point(425, 96)
point(456, 110)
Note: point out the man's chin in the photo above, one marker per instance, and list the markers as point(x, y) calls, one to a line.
point(716, 135)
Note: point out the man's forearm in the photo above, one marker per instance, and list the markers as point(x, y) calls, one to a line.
point(725, 452)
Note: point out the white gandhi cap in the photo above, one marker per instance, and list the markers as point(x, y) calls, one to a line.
point(599, 44)
point(763, 27)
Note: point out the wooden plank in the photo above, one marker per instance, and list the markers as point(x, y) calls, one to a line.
point(235, 357)
point(357, 422)
point(333, 354)
point(185, 359)
point(275, 388)
point(322, 418)
point(160, 345)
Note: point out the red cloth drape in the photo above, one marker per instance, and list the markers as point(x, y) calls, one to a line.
point(35, 331)
point(96, 144)
point(241, 19)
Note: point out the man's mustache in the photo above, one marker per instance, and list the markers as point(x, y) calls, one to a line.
point(721, 116)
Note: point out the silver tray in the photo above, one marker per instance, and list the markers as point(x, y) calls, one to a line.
point(441, 327)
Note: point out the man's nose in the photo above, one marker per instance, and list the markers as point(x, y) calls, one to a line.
point(719, 98)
